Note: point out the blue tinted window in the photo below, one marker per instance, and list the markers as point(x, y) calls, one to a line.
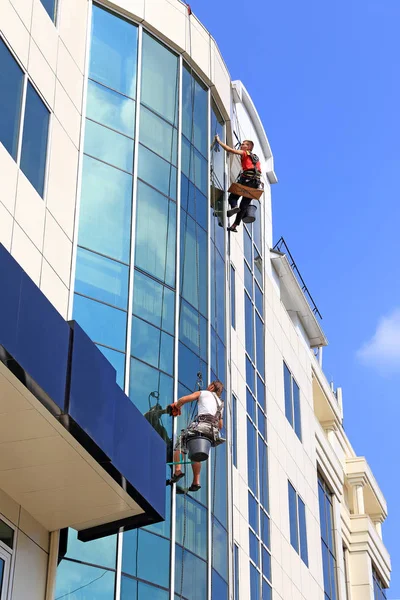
point(234, 430)
point(149, 592)
point(105, 211)
point(102, 552)
point(260, 345)
point(263, 466)
point(190, 575)
point(220, 549)
point(11, 85)
point(110, 108)
point(251, 457)
point(258, 299)
point(233, 300)
point(34, 139)
point(254, 547)
point(253, 512)
point(129, 552)
point(303, 531)
point(250, 405)
point(254, 583)
point(294, 538)
point(158, 135)
point(219, 497)
point(264, 519)
point(266, 564)
point(195, 111)
point(108, 146)
point(296, 409)
point(156, 547)
point(117, 359)
point(250, 374)
point(82, 582)
point(219, 294)
point(144, 380)
point(258, 267)
point(194, 166)
point(155, 234)
point(128, 588)
point(194, 202)
point(160, 79)
point(249, 326)
point(193, 263)
point(261, 423)
point(247, 247)
point(153, 302)
point(261, 394)
point(196, 525)
point(50, 7)
point(287, 382)
point(219, 587)
point(157, 172)
point(113, 53)
point(266, 591)
point(193, 329)
point(101, 278)
point(103, 324)
point(189, 365)
point(248, 279)
point(152, 346)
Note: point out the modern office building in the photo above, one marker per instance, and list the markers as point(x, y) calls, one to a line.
point(122, 290)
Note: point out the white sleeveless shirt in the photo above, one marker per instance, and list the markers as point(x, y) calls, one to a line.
point(207, 403)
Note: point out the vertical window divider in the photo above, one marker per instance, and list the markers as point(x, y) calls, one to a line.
point(22, 119)
point(133, 213)
point(210, 491)
point(80, 165)
point(118, 574)
point(176, 325)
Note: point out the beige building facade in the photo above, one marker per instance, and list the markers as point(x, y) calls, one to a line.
point(113, 201)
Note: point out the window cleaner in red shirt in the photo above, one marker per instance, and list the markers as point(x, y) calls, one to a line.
point(249, 176)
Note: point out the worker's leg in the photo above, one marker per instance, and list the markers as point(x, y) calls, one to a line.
point(177, 458)
point(233, 201)
point(243, 206)
point(196, 467)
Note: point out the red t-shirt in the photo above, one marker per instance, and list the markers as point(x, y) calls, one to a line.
point(247, 163)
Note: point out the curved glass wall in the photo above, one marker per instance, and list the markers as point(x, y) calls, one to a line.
point(150, 242)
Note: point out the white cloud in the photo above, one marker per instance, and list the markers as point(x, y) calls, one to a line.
point(382, 351)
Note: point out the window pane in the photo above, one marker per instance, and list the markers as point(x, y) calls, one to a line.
point(194, 111)
point(258, 267)
point(247, 247)
point(254, 583)
point(260, 345)
point(303, 531)
point(144, 380)
point(219, 587)
point(251, 457)
point(158, 135)
point(101, 278)
point(2, 567)
point(129, 552)
point(250, 374)
point(265, 537)
point(193, 329)
point(250, 405)
point(82, 582)
point(160, 79)
point(263, 466)
point(253, 512)
point(254, 548)
point(108, 146)
point(258, 299)
point(34, 139)
point(153, 302)
point(189, 365)
point(50, 7)
point(193, 202)
point(220, 549)
point(194, 166)
point(157, 172)
point(287, 382)
point(261, 424)
point(248, 279)
point(6, 534)
point(196, 525)
point(158, 548)
point(190, 575)
point(155, 234)
point(103, 324)
point(113, 53)
point(322, 512)
point(266, 591)
point(105, 212)
point(117, 359)
point(110, 108)
point(233, 300)
point(296, 409)
point(266, 564)
point(149, 592)
point(11, 84)
point(249, 326)
point(128, 588)
point(102, 552)
point(261, 394)
point(193, 263)
point(294, 540)
point(145, 343)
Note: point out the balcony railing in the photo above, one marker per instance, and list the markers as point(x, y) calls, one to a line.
point(282, 247)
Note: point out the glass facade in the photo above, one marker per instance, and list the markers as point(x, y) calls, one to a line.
point(150, 288)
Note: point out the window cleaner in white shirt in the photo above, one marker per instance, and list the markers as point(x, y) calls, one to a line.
point(208, 422)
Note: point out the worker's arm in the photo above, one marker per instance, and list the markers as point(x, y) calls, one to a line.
point(228, 148)
point(186, 399)
point(220, 424)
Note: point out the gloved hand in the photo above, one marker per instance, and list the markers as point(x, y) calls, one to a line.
point(173, 410)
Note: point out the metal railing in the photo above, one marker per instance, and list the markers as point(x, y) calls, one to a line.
point(282, 244)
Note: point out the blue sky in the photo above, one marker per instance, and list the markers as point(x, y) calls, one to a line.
point(325, 78)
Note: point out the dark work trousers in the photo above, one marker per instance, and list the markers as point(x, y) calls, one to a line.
point(233, 198)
